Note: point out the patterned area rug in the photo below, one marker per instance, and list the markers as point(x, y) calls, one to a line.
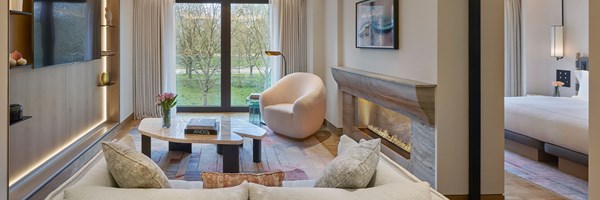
point(546, 176)
point(300, 160)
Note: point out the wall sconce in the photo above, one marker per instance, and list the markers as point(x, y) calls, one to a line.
point(557, 48)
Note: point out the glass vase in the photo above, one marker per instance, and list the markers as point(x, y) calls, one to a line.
point(556, 92)
point(166, 118)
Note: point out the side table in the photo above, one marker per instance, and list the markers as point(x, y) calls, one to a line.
point(254, 111)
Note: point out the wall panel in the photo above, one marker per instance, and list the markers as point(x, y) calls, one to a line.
point(65, 102)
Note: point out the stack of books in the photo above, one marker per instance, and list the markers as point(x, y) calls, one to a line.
point(254, 96)
point(202, 127)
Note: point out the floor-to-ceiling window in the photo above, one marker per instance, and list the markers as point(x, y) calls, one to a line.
point(220, 53)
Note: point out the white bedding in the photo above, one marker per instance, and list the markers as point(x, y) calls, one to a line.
point(562, 121)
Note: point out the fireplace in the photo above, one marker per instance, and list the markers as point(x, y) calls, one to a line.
point(379, 122)
point(400, 112)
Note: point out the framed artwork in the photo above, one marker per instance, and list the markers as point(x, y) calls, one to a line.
point(377, 24)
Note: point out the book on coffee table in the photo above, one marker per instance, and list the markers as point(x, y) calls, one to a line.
point(202, 127)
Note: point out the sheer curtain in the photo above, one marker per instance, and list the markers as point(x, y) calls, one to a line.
point(513, 72)
point(288, 35)
point(153, 54)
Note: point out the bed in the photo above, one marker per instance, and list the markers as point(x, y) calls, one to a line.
point(547, 128)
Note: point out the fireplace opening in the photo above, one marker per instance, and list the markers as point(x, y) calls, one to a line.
point(393, 128)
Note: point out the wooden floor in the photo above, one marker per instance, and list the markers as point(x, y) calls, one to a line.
point(517, 188)
point(299, 159)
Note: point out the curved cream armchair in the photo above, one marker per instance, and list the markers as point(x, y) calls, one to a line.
point(295, 105)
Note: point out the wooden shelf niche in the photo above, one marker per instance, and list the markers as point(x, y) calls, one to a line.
point(20, 36)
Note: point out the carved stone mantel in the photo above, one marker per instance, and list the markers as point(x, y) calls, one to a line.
point(412, 98)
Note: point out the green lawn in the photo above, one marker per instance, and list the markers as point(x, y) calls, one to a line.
point(190, 90)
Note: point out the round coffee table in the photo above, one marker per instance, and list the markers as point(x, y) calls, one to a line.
point(228, 140)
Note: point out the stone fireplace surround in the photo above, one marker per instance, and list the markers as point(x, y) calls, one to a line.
point(410, 98)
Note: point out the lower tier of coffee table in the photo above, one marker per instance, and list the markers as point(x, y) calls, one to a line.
point(231, 153)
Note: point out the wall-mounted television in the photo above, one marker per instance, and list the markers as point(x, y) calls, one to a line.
point(66, 31)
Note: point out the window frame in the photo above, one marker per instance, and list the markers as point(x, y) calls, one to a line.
point(225, 59)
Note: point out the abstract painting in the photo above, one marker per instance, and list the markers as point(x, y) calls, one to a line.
point(377, 24)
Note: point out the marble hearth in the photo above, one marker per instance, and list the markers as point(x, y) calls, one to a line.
point(400, 111)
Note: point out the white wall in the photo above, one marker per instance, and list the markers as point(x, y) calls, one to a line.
point(540, 68)
point(415, 59)
point(4, 101)
point(594, 162)
point(126, 73)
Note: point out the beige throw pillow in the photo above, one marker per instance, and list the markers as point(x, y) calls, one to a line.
point(224, 180)
point(132, 169)
point(352, 169)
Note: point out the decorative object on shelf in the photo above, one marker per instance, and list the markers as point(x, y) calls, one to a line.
point(12, 61)
point(377, 24)
point(108, 16)
point(16, 5)
point(105, 78)
point(166, 101)
point(279, 53)
point(16, 58)
point(21, 62)
point(557, 85)
point(16, 112)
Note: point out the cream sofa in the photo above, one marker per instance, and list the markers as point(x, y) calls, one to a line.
point(94, 182)
point(295, 105)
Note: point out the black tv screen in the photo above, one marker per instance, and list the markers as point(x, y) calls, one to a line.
point(66, 31)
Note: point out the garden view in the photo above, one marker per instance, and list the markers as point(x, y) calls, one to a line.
point(199, 53)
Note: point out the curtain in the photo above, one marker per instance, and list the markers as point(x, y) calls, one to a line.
point(288, 34)
point(153, 54)
point(513, 72)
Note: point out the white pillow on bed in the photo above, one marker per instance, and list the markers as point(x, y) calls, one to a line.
point(584, 84)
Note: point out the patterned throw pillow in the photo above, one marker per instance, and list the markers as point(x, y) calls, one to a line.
point(352, 169)
point(132, 169)
point(224, 180)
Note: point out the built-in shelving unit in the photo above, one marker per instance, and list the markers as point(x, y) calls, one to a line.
point(21, 120)
point(20, 36)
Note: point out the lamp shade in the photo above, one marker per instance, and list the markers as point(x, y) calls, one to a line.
point(273, 53)
point(557, 48)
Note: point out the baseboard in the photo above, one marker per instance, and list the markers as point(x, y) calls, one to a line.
point(333, 129)
point(482, 197)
